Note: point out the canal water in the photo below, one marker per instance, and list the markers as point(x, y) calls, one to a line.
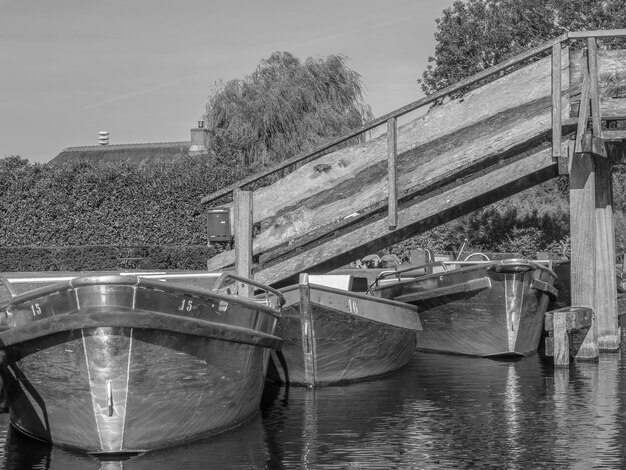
point(439, 412)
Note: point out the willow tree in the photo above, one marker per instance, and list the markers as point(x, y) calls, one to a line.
point(284, 107)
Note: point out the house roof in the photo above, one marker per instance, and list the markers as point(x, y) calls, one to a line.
point(131, 153)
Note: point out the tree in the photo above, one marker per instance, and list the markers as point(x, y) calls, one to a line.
point(285, 107)
point(477, 34)
point(474, 35)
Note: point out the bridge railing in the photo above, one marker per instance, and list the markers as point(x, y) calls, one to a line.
point(589, 95)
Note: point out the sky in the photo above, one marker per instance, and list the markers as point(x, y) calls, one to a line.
point(143, 69)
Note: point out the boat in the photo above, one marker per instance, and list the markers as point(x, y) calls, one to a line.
point(117, 364)
point(477, 307)
point(334, 332)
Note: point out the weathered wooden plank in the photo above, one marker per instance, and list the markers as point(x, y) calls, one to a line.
point(392, 190)
point(556, 101)
point(594, 94)
point(413, 219)
point(618, 135)
point(607, 33)
point(491, 119)
point(610, 75)
point(575, 318)
point(243, 239)
point(611, 108)
point(583, 112)
point(428, 189)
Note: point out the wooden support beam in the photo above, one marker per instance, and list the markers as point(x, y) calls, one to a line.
point(583, 113)
point(605, 304)
point(592, 145)
point(392, 180)
point(243, 239)
point(611, 109)
point(616, 151)
point(592, 59)
point(591, 216)
point(440, 207)
point(614, 135)
point(556, 101)
point(582, 234)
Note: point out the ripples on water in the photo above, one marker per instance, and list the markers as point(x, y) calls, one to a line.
point(439, 412)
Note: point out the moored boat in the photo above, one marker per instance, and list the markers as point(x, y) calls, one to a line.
point(334, 334)
point(122, 363)
point(480, 308)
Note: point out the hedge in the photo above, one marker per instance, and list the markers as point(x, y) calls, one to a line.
point(104, 258)
point(90, 215)
point(91, 203)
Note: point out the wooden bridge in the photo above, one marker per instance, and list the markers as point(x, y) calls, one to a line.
point(547, 112)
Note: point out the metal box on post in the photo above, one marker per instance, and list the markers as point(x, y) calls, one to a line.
point(218, 225)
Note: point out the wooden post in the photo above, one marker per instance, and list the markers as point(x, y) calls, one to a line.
point(583, 112)
point(242, 201)
point(556, 101)
point(561, 341)
point(392, 153)
point(606, 287)
point(582, 220)
point(605, 301)
point(592, 60)
point(582, 181)
point(593, 247)
point(308, 335)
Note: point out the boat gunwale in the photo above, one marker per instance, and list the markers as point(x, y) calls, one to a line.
point(124, 317)
point(134, 281)
point(475, 266)
point(358, 295)
point(409, 310)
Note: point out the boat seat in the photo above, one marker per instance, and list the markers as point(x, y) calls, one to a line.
point(418, 271)
point(346, 282)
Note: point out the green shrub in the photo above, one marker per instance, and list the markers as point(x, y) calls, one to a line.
point(104, 258)
point(91, 203)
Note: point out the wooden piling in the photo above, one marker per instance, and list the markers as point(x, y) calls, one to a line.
point(582, 233)
point(605, 304)
point(569, 329)
point(591, 219)
point(243, 239)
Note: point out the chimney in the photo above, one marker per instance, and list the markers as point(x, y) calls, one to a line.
point(103, 137)
point(199, 140)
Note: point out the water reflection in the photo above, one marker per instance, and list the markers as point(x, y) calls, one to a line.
point(439, 412)
point(243, 447)
point(512, 404)
point(587, 410)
